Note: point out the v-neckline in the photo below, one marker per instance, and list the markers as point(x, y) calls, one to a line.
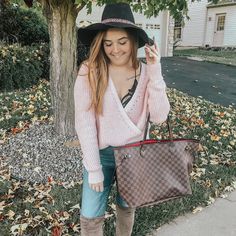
point(135, 92)
point(124, 110)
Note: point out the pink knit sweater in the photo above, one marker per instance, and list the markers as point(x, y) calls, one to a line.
point(117, 126)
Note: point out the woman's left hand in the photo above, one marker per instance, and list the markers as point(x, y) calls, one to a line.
point(152, 54)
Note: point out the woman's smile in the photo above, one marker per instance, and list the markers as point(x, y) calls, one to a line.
point(118, 56)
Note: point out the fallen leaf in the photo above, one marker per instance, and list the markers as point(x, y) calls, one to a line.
point(215, 137)
point(2, 205)
point(210, 201)
point(50, 179)
point(224, 195)
point(27, 212)
point(2, 141)
point(197, 209)
point(229, 189)
point(26, 164)
point(10, 214)
point(37, 169)
point(107, 215)
point(56, 231)
point(75, 227)
point(19, 229)
point(16, 130)
point(77, 206)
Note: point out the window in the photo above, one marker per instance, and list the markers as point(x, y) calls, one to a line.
point(152, 26)
point(221, 23)
point(178, 30)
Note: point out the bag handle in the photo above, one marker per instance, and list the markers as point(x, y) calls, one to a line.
point(168, 125)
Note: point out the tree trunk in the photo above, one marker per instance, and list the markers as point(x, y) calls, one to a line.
point(61, 17)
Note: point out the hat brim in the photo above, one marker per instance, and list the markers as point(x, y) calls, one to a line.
point(87, 34)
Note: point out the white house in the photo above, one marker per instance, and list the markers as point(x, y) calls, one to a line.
point(160, 27)
point(210, 24)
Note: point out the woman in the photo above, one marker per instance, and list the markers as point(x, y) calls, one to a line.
point(113, 94)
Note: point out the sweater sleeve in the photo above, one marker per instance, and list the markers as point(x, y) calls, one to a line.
point(158, 103)
point(85, 126)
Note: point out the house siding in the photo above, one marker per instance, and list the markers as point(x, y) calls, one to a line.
point(230, 25)
point(193, 31)
point(199, 30)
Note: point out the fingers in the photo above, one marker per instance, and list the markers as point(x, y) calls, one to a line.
point(156, 47)
point(152, 50)
point(102, 187)
point(98, 187)
point(152, 53)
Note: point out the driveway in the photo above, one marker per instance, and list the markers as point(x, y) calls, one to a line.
point(214, 82)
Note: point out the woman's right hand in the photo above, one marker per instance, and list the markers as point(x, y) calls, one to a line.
point(98, 187)
point(152, 53)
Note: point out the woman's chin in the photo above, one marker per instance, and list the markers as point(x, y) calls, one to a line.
point(119, 62)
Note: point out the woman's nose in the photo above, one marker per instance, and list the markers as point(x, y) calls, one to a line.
point(116, 47)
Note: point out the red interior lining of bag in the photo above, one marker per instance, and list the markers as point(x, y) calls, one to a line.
point(150, 141)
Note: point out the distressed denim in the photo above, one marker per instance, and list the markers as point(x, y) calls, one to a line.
point(94, 203)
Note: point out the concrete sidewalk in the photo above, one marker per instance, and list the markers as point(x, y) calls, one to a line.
point(219, 219)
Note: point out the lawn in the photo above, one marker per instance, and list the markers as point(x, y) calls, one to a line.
point(52, 208)
point(222, 56)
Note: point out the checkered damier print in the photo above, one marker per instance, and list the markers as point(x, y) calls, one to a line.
point(154, 172)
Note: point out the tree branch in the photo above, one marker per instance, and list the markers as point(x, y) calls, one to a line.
point(78, 7)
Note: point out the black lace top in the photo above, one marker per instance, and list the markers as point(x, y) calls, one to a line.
point(130, 94)
point(125, 100)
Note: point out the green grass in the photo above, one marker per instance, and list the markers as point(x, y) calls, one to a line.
point(48, 208)
point(222, 56)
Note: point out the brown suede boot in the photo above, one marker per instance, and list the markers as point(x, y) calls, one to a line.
point(91, 227)
point(124, 221)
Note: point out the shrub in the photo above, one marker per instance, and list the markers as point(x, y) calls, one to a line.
point(22, 26)
point(21, 67)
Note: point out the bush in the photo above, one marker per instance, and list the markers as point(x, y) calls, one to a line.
point(22, 26)
point(22, 67)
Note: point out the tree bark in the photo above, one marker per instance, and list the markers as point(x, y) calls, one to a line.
point(61, 17)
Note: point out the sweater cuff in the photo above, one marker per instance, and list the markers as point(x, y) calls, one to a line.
point(95, 176)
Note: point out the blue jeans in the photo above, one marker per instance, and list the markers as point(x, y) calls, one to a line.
point(94, 203)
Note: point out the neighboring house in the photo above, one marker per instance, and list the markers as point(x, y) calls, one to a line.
point(160, 27)
point(210, 25)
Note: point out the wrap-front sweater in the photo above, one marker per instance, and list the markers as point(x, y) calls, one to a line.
point(117, 125)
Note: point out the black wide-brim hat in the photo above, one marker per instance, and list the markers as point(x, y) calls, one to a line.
point(115, 15)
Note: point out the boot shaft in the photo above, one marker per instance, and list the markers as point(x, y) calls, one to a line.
point(124, 221)
point(91, 227)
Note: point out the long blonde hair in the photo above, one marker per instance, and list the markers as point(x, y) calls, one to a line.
point(98, 69)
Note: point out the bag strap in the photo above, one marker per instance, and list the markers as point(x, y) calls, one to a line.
point(168, 125)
